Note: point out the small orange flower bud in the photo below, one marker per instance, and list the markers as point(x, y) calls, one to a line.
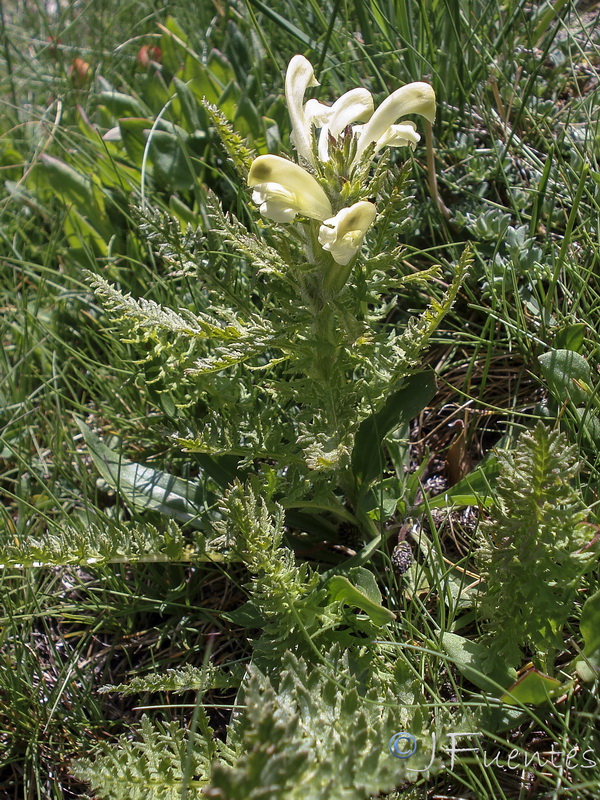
point(80, 72)
point(147, 54)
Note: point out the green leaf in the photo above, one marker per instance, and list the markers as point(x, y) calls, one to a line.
point(533, 687)
point(300, 738)
point(132, 132)
point(190, 108)
point(183, 213)
point(220, 67)
point(247, 119)
point(173, 45)
point(246, 616)
point(157, 765)
point(473, 490)
point(78, 231)
point(590, 424)
point(588, 667)
point(471, 660)
point(121, 105)
point(283, 22)
point(171, 163)
point(362, 593)
point(400, 407)
point(571, 337)
point(145, 488)
point(99, 540)
point(66, 181)
point(561, 369)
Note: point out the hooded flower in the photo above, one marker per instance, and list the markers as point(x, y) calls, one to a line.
point(414, 98)
point(343, 234)
point(283, 189)
point(299, 76)
point(353, 106)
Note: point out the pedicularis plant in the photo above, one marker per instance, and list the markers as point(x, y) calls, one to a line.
point(296, 366)
point(288, 369)
point(298, 344)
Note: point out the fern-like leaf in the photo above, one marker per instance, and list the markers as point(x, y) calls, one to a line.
point(311, 734)
point(533, 549)
point(164, 763)
point(186, 679)
point(233, 144)
point(106, 543)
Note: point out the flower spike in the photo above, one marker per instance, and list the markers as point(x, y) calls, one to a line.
point(284, 189)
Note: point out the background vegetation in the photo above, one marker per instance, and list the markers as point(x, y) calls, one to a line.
point(99, 587)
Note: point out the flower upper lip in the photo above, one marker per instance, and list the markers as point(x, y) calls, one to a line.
point(299, 76)
point(353, 106)
point(414, 98)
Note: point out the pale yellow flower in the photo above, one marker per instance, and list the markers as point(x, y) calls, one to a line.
point(414, 98)
point(343, 235)
point(283, 189)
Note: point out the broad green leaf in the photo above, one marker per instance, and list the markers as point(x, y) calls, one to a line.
point(571, 337)
point(168, 156)
point(66, 181)
point(190, 108)
point(78, 230)
point(246, 616)
point(156, 94)
point(121, 105)
point(183, 213)
point(247, 119)
point(204, 87)
point(364, 580)
point(112, 174)
point(502, 718)
point(362, 593)
point(401, 406)
point(561, 369)
point(11, 162)
point(293, 31)
point(228, 101)
point(473, 490)
point(220, 67)
point(134, 140)
point(145, 488)
point(590, 424)
point(588, 668)
point(533, 687)
point(470, 657)
point(173, 45)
